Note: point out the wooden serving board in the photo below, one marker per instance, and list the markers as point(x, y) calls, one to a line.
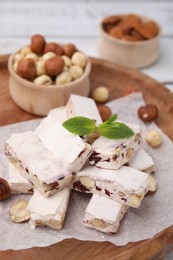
point(117, 78)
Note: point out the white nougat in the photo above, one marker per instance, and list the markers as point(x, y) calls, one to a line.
point(82, 106)
point(104, 214)
point(17, 180)
point(126, 185)
point(112, 154)
point(48, 211)
point(142, 161)
point(40, 166)
point(70, 149)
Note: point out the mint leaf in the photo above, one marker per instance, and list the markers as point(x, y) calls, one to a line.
point(111, 119)
point(80, 125)
point(115, 131)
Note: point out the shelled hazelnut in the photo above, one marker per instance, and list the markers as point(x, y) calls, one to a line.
point(76, 71)
point(63, 78)
point(79, 59)
point(25, 50)
point(153, 138)
point(18, 211)
point(48, 55)
point(100, 94)
point(43, 80)
point(18, 57)
point(40, 70)
point(67, 60)
point(32, 56)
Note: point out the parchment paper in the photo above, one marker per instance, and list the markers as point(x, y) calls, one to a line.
point(154, 215)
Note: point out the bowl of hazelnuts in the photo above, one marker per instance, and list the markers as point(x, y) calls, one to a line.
point(129, 39)
point(43, 74)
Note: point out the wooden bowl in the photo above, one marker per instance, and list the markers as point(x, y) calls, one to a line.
point(136, 54)
point(39, 100)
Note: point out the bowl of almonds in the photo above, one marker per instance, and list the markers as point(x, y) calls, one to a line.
point(44, 74)
point(129, 39)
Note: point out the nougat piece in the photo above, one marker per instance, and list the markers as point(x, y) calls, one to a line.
point(104, 214)
point(126, 185)
point(59, 113)
point(17, 180)
point(39, 165)
point(82, 106)
point(70, 149)
point(142, 161)
point(112, 154)
point(48, 211)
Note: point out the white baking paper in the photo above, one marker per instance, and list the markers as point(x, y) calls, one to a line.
point(154, 215)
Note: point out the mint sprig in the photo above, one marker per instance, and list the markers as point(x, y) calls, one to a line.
point(110, 129)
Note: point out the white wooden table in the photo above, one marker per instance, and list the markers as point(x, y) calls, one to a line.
point(78, 21)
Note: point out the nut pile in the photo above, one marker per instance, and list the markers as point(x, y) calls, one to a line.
point(130, 27)
point(49, 63)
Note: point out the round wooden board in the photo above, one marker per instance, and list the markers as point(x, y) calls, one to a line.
point(117, 78)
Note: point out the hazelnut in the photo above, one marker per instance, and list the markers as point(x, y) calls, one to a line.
point(98, 223)
point(40, 67)
point(76, 71)
point(32, 56)
point(18, 57)
point(105, 112)
point(87, 182)
point(63, 78)
point(134, 200)
point(53, 47)
point(69, 49)
point(153, 184)
point(148, 113)
point(54, 66)
point(15, 66)
point(100, 94)
point(25, 50)
point(79, 59)
point(153, 138)
point(48, 55)
point(18, 211)
point(43, 80)
point(37, 44)
point(65, 68)
point(26, 69)
point(4, 189)
point(67, 60)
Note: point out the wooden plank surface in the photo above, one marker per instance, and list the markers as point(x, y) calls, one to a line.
point(76, 19)
point(114, 77)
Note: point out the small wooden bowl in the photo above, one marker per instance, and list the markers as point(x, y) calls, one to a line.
point(39, 100)
point(137, 54)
